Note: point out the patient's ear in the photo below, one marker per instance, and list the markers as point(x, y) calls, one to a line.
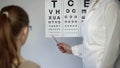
point(25, 30)
point(24, 34)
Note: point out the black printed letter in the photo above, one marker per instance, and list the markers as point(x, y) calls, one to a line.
point(70, 2)
point(54, 2)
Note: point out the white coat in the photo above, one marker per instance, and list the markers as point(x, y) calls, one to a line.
point(101, 38)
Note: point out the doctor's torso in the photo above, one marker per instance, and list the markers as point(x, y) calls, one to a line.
point(94, 35)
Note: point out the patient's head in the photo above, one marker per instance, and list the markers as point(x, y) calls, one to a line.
point(14, 23)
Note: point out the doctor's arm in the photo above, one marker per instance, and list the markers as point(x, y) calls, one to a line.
point(77, 50)
point(66, 48)
point(112, 36)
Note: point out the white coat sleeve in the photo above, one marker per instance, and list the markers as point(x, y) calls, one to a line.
point(77, 50)
point(112, 36)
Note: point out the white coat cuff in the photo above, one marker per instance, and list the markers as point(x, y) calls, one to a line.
point(77, 50)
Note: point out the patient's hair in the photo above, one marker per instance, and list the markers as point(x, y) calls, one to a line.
point(12, 19)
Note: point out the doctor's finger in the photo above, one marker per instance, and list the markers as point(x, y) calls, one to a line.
point(62, 49)
point(60, 44)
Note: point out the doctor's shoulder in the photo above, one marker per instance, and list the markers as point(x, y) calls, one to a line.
point(29, 64)
point(113, 4)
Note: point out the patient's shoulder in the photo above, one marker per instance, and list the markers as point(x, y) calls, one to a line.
point(29, 64)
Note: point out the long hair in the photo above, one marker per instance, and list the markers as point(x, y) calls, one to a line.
point(12, 20)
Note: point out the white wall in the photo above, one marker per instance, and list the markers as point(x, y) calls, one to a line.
point(38, 48)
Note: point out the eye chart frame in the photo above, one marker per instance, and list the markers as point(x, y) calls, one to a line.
point(63, 18)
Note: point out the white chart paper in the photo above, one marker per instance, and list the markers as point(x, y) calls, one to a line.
point(62, 18)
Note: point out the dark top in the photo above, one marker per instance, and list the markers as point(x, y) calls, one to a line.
point(29, 64)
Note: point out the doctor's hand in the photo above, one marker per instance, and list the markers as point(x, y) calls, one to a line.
point(64, 48)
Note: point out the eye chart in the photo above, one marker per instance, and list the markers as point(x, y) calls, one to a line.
point(62, 18)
